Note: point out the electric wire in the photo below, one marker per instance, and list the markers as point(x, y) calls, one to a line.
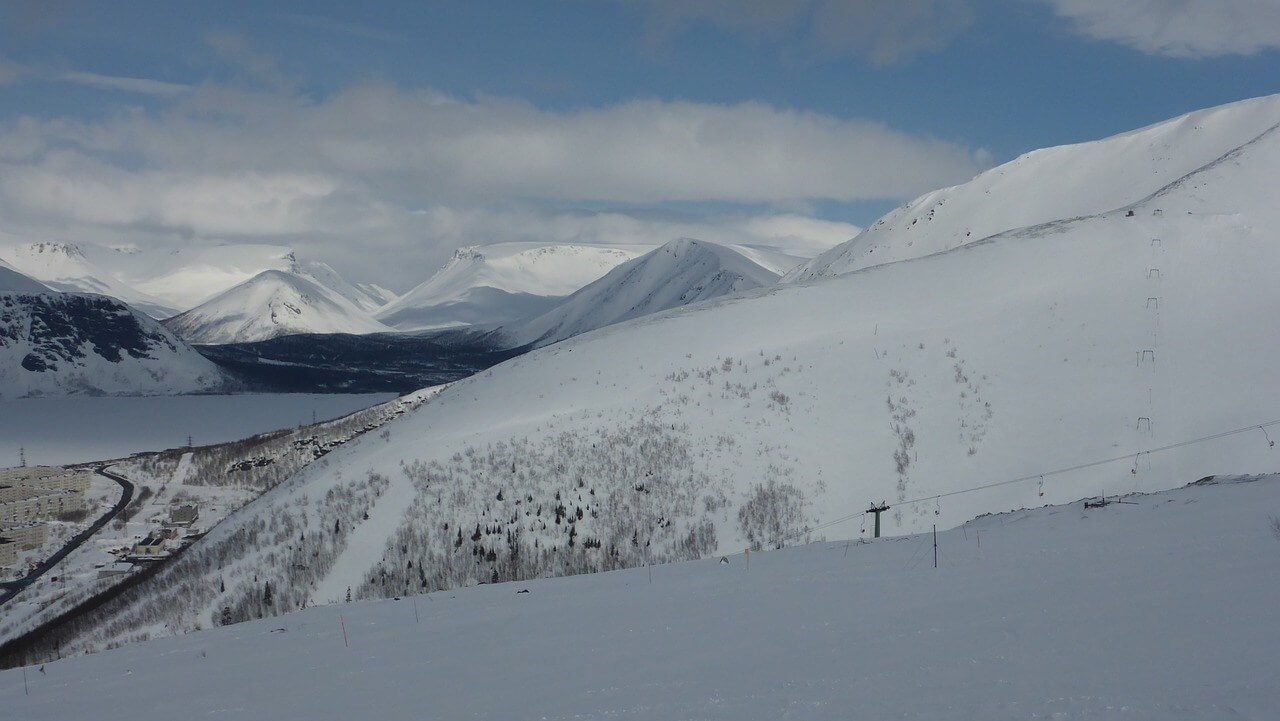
point(1040, 475)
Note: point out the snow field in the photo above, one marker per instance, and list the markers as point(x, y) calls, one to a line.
point(1163, 609)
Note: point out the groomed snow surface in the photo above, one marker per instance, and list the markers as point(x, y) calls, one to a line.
point(1162, 608)
point(58, 431)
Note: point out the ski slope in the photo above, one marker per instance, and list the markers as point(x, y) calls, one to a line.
point(1162, 608)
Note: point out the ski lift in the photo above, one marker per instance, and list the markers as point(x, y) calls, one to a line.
point(1134, 470)
point(937, 505)
point(1041, 490)
point(863, 532)
point(1270, 443)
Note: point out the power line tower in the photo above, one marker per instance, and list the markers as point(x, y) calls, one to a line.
point(877, 510)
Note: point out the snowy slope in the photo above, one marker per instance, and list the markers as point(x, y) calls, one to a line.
point(376, 294)
point(368, 298)
point(11, 279)
point(678, 273)
point(271, 304)
point(1160, 610)
point(1081, 344)
point(54, 344)
point(1050, 184)
point(502, 282)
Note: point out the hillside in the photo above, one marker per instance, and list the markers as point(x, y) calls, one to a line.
point(1088, 350)
point(1051, 184)
point(678, 273)
point(54, 344)
point(501, 282)
point(11, 279)
point(271, 304)
point(1163, 609)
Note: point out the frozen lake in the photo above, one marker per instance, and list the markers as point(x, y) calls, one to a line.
point(73, 430)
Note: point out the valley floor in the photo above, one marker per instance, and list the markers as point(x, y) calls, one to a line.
point(1164, 607)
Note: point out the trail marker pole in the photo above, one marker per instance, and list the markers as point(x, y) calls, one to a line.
point(877, 510)
point(25, 692)
point(343, 623)
point(415, 610)
point(935, 545)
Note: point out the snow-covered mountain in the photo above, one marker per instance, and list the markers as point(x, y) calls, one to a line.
point(54, 344)
point(68, 267)
point(11, 279)
point(678, 273)
point(502, 282)
point(1050, 184)
point(165, 282)
point(1163, 608)
point(1128, 350)
point(272, 303)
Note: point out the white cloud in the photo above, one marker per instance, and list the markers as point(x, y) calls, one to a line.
point(417, 173)
point(883, 32)
point(131, 85)
point(1178, 28)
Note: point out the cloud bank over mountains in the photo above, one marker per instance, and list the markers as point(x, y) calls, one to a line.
point(376, 166)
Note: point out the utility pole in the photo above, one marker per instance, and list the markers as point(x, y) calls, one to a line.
point(935, 545)
point(878, 510)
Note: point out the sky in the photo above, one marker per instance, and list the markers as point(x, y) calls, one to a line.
point(379, 137)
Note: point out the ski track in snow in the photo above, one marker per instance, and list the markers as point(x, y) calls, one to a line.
point(366, 543)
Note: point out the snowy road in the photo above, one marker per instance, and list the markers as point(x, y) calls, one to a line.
point(13, 588)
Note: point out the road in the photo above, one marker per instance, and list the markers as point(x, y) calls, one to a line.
point(13, 588)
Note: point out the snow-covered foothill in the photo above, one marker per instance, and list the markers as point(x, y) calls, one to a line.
point(1050, 184)
point(677, 273)
point(271, 304)
point(1160, 608)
